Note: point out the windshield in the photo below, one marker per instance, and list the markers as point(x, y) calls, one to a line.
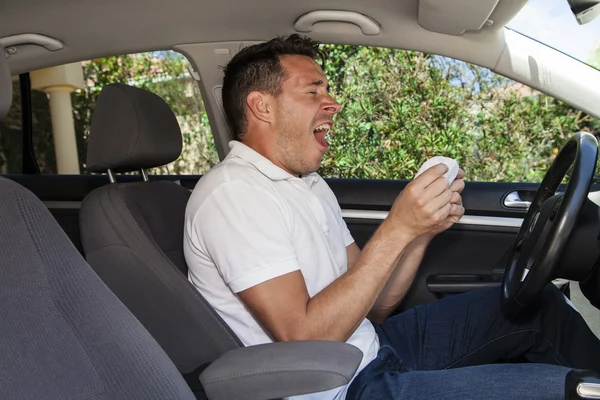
point(551, 22)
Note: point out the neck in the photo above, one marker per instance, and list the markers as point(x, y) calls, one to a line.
point(265, 148)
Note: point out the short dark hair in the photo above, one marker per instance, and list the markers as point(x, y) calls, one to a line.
point(258, 68)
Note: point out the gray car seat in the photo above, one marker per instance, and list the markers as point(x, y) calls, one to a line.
point(64, 334)
point(132, 235)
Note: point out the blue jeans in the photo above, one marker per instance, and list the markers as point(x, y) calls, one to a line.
point(463, 347)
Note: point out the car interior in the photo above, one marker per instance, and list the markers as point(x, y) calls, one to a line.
point(97, 303)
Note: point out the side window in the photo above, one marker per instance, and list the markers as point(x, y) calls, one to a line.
point(164, 73)
point(403, 107)
point(11, 136)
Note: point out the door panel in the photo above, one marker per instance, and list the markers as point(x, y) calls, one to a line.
point(466, 257)
point(470, 255)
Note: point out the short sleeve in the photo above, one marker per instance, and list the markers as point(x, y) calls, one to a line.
point(246, 234)
point(348, 239)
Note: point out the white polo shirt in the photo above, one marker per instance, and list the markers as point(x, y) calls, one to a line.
point(249, 221)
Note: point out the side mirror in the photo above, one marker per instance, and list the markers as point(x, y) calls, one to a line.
point(585, 10)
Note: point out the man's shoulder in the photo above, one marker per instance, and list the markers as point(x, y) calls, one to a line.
point(231, 170)
point(322, 189)
point(232, 176)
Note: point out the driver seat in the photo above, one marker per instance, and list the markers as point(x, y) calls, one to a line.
point(132, 235)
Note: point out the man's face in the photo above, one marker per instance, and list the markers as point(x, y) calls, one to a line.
point(304, 112)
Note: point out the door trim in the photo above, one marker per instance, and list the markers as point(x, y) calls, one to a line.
point(465, 220)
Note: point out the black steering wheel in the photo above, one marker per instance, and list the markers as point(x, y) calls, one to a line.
point(548, 224)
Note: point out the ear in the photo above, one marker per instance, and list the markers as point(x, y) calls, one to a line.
point(260, 105)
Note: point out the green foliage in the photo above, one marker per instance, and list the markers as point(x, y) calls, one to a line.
point(11, 138)
point(403, 107)
point(163, 73)
point(594, 60)
point(11, 134)
point(399, 109)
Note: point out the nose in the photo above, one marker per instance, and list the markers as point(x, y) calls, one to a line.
point(331, 106)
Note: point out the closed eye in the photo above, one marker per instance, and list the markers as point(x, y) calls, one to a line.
point(320, 84)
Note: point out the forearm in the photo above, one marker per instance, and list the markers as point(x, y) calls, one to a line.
point(336, 312)
point(400, 280)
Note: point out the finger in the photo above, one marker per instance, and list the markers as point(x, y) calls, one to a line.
point(457, 186)
point(461, 174)
point(443, 212)
point(456, 199)
point(436, 188)
point(430, 176)
point(440, 202)
point(457, 212)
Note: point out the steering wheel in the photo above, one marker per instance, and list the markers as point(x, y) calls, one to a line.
point(548, 224)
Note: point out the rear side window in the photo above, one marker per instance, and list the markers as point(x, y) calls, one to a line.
point(164, 73)
point(11, 136)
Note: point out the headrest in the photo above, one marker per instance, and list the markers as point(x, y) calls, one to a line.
point(131, 129)
point(5, 85)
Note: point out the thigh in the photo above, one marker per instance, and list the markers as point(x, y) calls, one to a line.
point(461, 330)
point(490, 382)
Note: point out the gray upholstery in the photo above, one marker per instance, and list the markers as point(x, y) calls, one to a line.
point(64, 335)
point(132, 235)
point(5, 85)
point(280, 369)
point(131, 129)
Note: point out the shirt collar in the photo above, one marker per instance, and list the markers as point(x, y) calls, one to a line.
point(264, 165)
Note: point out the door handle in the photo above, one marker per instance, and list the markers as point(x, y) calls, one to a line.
point(513, 200)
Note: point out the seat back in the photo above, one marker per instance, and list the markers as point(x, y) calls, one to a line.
point(132, 233)
point(64, 334)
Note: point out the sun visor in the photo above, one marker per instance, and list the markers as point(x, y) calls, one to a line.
point(455, 17)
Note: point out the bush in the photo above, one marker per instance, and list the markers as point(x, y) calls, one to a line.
point(403, 107)
point(399, 109)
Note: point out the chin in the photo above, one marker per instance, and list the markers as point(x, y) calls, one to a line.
point(315, 166)
point(309, 168)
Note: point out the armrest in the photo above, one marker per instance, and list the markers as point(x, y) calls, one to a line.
point(280, 369)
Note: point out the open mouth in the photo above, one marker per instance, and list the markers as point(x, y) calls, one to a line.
point(321, 133)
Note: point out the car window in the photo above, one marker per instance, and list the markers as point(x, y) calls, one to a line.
point(403, 107)
point(164, 73)
point(11, 136)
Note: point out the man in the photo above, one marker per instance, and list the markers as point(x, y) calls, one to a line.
point(267, 247)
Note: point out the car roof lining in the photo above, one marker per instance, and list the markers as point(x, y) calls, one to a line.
point(195, 28)
point(97, 29)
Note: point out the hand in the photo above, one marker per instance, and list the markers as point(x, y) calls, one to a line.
point(424, 204)
point(457, 210)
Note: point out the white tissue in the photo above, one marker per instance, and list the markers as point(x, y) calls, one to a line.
point(450, 163)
